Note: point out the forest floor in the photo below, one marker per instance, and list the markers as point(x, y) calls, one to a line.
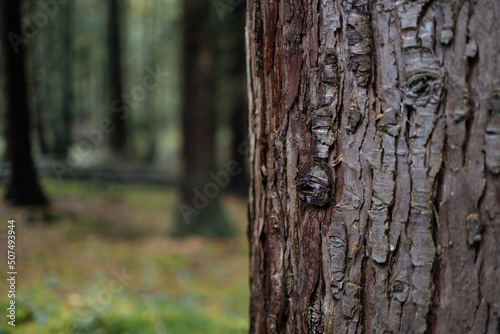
point(104, 263)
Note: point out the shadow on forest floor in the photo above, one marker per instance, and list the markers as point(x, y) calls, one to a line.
point(104, 264)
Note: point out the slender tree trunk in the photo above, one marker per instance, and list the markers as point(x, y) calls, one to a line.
point(239, 104)
point(151, 28)
point(375, 161)
point(118, 138)
point(51, 86)
point(36, 57)
point(64, 139)
point(23, 188)
point(40, 98)
point(199, 213)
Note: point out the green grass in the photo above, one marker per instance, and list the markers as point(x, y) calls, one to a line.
point(67, 281)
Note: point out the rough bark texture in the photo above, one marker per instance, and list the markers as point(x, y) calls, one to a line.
point(23, 188)
point(375, 161)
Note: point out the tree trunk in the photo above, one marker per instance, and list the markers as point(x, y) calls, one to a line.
point(118, 137)
point(235, 28)
point(198, 213)
point(375, 160)
point(36, 88)
point(63, 137)
point(151, 28)
point(23, 188)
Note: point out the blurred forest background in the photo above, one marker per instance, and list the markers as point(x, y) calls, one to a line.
point(123, 160)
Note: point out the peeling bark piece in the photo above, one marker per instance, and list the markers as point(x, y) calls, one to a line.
point(492, 136)
point(409, 13)
point(329, 74)
point(461, 111)
point(420, 60)
point(315, 188)
point(388, 122)
point(382, 159)
point(474, 228)
point(321, 127)
point(410, 39)
point(471, 49)
point(330, 97)
point(395, 312)
point(446, 36)
point(353, 118)
point(423, 249)
point(322, 151)
point(359, 42)
point(378, 235)
point(399, 294)
point(426, 32)
point(421, 292)
point(350, 301)
point(447, 32)
point(338, 248)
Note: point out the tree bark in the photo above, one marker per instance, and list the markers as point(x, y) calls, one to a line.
point(23, 188)
point(375, 161)
point(118, 137)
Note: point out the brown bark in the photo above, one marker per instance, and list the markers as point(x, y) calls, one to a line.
point(23, 188)
point(375, 160)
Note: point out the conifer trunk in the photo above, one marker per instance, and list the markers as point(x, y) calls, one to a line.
point(375, 160)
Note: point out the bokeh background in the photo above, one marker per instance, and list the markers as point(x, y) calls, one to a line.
point(135, 219)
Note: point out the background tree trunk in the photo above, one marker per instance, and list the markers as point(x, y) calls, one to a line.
point(152, 123)
point(35, 58)
point(23, 188)
point(63, 137)
point(118, 137)
point(401, 236)
point(235, 27)
point(202, 217)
